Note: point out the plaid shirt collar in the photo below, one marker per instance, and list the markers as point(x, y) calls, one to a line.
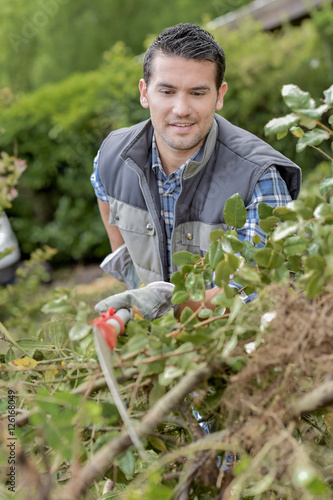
point(157, 164)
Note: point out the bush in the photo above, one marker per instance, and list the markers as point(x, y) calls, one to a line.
point(59, 128)
point(259, 374)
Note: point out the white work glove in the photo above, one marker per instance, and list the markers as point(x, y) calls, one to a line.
point(153, 300)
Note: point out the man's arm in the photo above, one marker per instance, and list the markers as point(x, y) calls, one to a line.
point(115, 237)
point(192, 304)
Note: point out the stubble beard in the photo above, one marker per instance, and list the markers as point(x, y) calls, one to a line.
point(183, 143)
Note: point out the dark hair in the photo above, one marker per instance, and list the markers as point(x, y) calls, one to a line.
point(188, 41)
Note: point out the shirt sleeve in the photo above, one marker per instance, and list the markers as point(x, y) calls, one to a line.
point(270, 189)
point(96, 182)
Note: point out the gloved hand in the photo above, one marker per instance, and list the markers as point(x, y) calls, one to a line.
point(153, 300)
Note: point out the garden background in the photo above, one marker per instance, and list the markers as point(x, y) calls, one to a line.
point(69, 74)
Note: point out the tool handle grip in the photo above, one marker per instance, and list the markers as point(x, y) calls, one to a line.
point(124, 315)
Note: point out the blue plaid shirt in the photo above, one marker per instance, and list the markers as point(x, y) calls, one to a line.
point(270, 189)
point(169, 187)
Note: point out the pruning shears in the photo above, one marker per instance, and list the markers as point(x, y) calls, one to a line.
point(106, 330)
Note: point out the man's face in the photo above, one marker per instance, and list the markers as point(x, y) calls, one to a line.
point(182, 99)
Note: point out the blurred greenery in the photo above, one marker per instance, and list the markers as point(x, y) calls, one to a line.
point(72, 90)
point(47, 40)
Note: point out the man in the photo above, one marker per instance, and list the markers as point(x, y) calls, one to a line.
point(162, 184)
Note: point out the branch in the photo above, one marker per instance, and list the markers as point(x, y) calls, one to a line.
point(103, 459)
point(319, 397)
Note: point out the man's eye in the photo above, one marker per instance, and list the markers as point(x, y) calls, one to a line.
point(167, 92)
point(198, 94)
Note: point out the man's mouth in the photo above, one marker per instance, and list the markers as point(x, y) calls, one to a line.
point(182, 125)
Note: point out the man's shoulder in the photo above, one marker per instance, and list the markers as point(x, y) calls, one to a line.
point(233, 136)
point(127, 132)
point(241, 142)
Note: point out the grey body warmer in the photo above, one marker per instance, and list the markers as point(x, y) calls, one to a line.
point(232, 161)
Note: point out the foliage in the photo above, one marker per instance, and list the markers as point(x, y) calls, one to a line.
point(259, 63)
point(45, 42)
point(258, 373)
point(59, 128)
point(11, 169)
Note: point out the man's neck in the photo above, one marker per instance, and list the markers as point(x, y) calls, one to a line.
point(175, 159)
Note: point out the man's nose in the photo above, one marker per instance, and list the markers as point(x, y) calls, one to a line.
point(182, 105)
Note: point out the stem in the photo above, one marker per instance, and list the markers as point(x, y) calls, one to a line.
point(104, 458)
point(322, 152)
point(321, 396)
point(8, 336)
point(324, 127)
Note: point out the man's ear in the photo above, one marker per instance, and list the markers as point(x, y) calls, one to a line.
point(143, 94)
point(220, 96)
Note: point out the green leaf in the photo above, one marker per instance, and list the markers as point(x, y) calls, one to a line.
point(297, 131)
point(256, 240)
point(295, 262)
point(264, 210)
point(296, 99)
point(233, 262)
point(237, 363)
point(59, 306)
point(307, 122)
point(170, 373)
point(205, 313)
point(235, 212)
point(282, 124)
point(285, 229)
point(281, 135)
point(326, 185)
point(157, 443)
point(269, 258)
point(268, 224)
point(294, 245)
point(186, 314)
point(180, 297)
point(250, 274)
point(249, 251)
point(156, 394)
point(138, 342)
point(312, 138)
point(235, 243)
point(222, 300)
point(222, 272)
point(315, 113)
point(329, 95)
point(195, 285)
point(216, 235)
point(79, 331)
point(313, 201)
point(226, 246)
point(127, 463)
point(177, 278)
point(216, 253)
point(323, 210)
point(280, 274)
point(315, 262)
point(314, 284)
point(301, 209)
point(182, 258)
point(317, 487)
point(284, 213)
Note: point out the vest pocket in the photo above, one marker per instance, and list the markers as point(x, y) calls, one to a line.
point(139, 233)
point(195, 236)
